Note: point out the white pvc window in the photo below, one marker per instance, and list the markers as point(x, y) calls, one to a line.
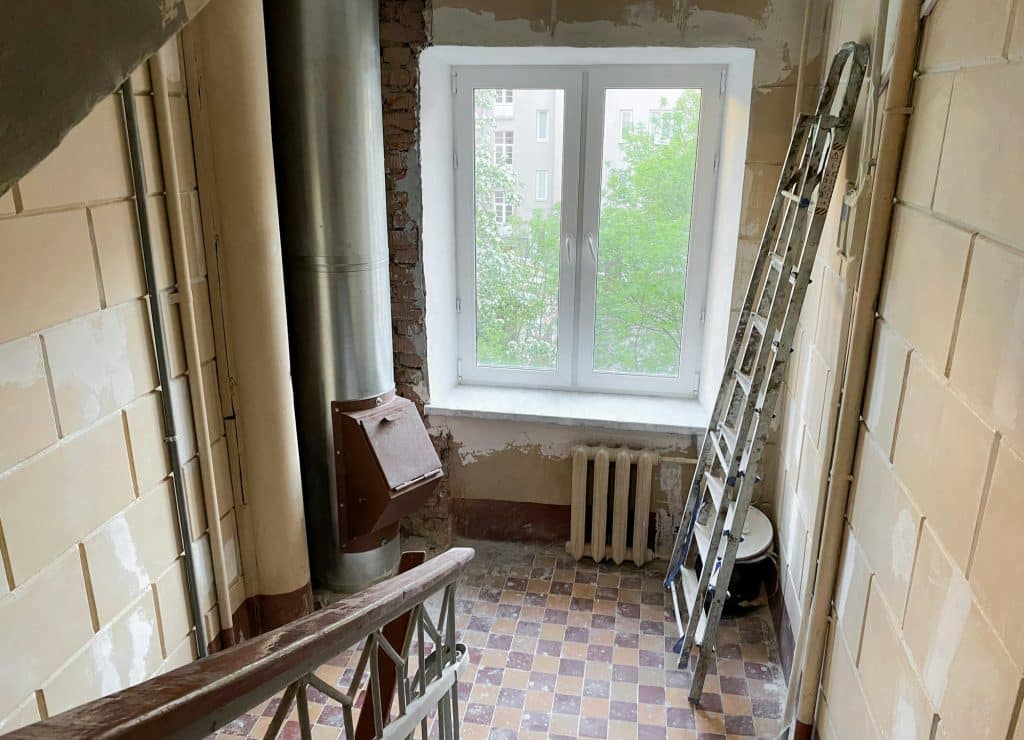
point(503, 146)
point(599, 281)
point(543, 179)
point(543, 124)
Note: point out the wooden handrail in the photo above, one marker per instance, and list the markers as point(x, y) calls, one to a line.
point(196, 699)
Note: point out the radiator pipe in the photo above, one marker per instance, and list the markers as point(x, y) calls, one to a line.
point(876, 243)
point(170, 425)
point(193, 356)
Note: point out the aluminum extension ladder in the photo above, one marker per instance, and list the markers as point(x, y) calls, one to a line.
point(745, 409)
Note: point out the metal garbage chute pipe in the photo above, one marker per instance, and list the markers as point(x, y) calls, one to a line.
point(326, 116)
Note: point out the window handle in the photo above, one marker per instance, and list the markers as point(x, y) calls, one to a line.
point(592, 246)
point(570, 248)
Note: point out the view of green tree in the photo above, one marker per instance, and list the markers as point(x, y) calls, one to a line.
point(516, 262)
point(644, 240)
point(643, 245)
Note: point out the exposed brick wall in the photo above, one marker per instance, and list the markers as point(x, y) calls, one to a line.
point(403, 35)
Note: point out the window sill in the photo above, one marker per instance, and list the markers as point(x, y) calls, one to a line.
point(602, 410)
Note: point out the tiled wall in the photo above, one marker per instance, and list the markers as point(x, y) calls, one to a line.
point(932, 582)
point(92, 595)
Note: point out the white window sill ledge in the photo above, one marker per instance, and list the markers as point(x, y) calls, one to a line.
point(603, 410)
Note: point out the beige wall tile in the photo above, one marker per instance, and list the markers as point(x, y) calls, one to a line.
point(194, 233)
point(163, 257)
point(7, 203)
point(808, 481)
point(186, 431)
point(988, 359)
point(214, 415)
point(115, 230)
point(150, 144)
point(222, 473)
point(121, 655)
point(141, 82)
point(183, 654)
point(232, 556)
point(771, 123)
point(150, 459)
point(831, 311)
point(1016, 52)
point(759, 184)
point(100, 363)
point(183, 151)
point(811, 390)
point(927, 126)
point(885, 385)
point(927, 259)
point(204, 574)
point(49, 275)
point(204, 320)
point(25, 714)
point(172, 597)
point(26, 412)
point(894, 692)
point(51, 502)
point(27, 616)
point(965, 31)
point(194, 491)
point(942, 455)
point(983, 154)
point(173, 66)
point(132, 550)
point(90, 164)
point(966, 670)
point(997, 572)
point(852, 592)
point(886, 523)
point(175, 338)
point(849, 708)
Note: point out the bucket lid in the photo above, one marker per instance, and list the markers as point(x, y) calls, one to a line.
point(757, 536)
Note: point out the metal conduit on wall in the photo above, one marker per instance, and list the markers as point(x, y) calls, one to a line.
point(170, 423)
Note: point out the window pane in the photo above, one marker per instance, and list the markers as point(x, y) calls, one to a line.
point(646, 196)
point(517, 231)
point(542, 125)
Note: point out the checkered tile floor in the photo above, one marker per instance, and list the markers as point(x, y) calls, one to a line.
point(561, 649)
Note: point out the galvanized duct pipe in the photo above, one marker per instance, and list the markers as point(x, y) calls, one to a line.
point(324, 61)
point(163, 364)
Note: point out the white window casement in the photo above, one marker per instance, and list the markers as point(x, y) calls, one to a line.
point(543, 185)
point(502, 208)
point(504, 103)
point(625, 123)
point(602, 285)
point(543, 124)
point(503, 146)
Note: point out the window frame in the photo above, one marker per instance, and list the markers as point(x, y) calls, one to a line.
point(546, 137)
point(583, 90)
point(538, 179)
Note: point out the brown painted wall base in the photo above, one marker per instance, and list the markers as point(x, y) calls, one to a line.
point(262, 613)
point(511, 521)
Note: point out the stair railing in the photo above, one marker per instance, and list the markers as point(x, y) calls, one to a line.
point(406, 651)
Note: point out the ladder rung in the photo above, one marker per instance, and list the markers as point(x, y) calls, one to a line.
point(790, 195)
point(689, 581)
point(716, 488)
point(760, 323)
point(744, 380)
point(729, 436)
point(777, 260)
point(723, 458)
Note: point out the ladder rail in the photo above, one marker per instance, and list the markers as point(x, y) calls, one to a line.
point(809, 182)
point(746, 403)
point(707, 451)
